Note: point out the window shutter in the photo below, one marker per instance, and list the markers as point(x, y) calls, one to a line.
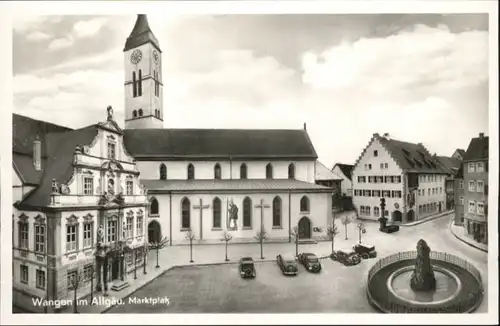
point(486, 189)
point(486, 166)
point(486, 209)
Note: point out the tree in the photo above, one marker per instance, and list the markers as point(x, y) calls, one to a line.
point(190, 235)
point(75, 283)
point(346, 220)
point(91, 274)
point(331, 232)
point(294, 232)
point(145, 256)
point(226, 237)
point(158, 245)
point(261, 236)
point(361, 229)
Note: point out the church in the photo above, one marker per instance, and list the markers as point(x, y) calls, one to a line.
point(104, 192)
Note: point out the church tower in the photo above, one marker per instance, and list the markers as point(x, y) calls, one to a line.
point(143, 86)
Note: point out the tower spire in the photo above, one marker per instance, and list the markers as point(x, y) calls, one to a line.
point(141, 34)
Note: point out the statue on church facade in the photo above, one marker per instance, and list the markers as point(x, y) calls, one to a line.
point(233, 215)
point(110, 112)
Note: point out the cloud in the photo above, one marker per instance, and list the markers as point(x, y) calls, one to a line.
point(88, 28)
point(23, 24)
point(420, 57)
point(61, 43)
point(37, 36)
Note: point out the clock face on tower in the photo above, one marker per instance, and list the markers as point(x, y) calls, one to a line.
point(136, 56)
point(155, 56)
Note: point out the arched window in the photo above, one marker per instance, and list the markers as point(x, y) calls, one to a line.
point(276, 211)
point(140, 112)
point(216, 207)
point(217, 171)
point(269, 171)
point(304, 204)
point(243, 171)
point(190, 175)
point(139, 89)
point(186, 213)
point(134, 113)
point(154, 207)
point(163, 172)
point(247, 212)
point(291, 171)
point(134, 84)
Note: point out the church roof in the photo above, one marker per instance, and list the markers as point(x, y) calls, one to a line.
point(185, 144)
point(141, 34)
point(209, 185)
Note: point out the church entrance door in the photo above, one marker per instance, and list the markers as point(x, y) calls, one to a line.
point(154, 232)
point(304, 228)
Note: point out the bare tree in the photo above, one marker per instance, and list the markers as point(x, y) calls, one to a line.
point(226, 237)
point(261, 236)
point(75, 283)
point(294, 232)
point(331, 232)
point(190, 235)
point(158, 245)
point(346, 220)
point(361, 229)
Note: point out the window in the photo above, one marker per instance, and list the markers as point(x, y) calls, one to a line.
point(429, 192)
point(291, 171)
point(247, 212)
point(480, 208)
point(397, 179)
point(24, 274)
point(381, 165)
point(130, 227)
point(186, 213)
point(71, 279)
point(369, 166)
point(386, 193)
point(140, 112)
point(386, 165)
point(40, 279)
point(163, 172)
point(471, 167)
point(366, 167)
point(375, 153)
point(386, 213)
point(362, 210)
point(134, 113)
point(217, 171)
point(380, 179)
point(269, 171)
point(277, 212)
point(216, 207)
point(111, 150)
point(243, 171)
point(376, 211)
point(480, 186)
point(361, 179)
point(367, 210)
point(40, 238)
point(376, 193)
point(461, 200)
point(154, 207)
point(472, 206)
point(134, 84)
point(461, 184)
point(304, 204)
point(23, 235)
point(440, 190)
point(71, 237)
point(396, 194)
point(111, 231)
point(479, 167)
point(130, 187)
point(190, 171)
point(139, 224)
point(88, 186)
point(472, 185)
point(139, 89)
point(88, 272)
point(87, 234)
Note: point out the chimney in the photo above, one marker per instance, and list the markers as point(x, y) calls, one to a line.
point(387, 136)
point(37, 154)
point(481, 135)
point(305, 126)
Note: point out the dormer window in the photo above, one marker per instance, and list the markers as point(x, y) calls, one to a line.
point(111, 150)
point(269, 171)
point(190, 172)
point(88, 186)
point(217, 171)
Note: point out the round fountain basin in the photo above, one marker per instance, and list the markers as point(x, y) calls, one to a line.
point(448, 287)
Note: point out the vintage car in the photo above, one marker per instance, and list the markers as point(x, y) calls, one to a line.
point(310, 262)
point(365, 250)
point(390, 228)
point(247, 268)
point(287, 264)
point(348, 257)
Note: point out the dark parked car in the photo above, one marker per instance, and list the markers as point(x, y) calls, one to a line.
point(247, 268)
point(348, 257)
point(365, 250)
point(287, 264)
point(310, 262)
point(390, 228)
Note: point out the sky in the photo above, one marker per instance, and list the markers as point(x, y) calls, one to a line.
point(419, 77)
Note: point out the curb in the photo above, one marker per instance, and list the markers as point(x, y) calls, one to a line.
point(466, 242)
point(425, 220)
